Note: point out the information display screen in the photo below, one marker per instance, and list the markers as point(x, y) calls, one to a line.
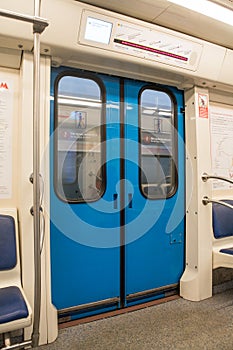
point(98, 30)
point(148, 42)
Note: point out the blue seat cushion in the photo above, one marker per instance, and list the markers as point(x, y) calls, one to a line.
point(227, 251)
point(222, 220)
point(7, 243)
point(12, 305)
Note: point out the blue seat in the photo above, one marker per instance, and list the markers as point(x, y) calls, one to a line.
point(222, 222)
point(8, 258)
point(15, 311)
point(12, 305)
point(227, 251)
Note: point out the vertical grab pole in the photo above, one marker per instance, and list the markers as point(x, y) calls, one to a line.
point(36, 179)
point(39, 25)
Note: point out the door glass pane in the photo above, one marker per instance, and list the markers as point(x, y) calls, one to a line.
point(157, 151)
point(79, 132)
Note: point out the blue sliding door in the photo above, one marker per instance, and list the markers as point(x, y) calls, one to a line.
point(117, 191)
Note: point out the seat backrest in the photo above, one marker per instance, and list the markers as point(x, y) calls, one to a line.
point(15, 310)
point(9, 248)
point(8, 258)
point(222, 219)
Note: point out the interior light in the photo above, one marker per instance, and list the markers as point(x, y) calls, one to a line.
point(112, 106)
point(148, 111)
point(167, 114)
point(207, 8)
point(77, 102)
point(65, 101)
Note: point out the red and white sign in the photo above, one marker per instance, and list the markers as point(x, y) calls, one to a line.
point(203, 106)
point(4, 86)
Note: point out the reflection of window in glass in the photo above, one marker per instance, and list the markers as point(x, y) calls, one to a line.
point(157, 150)
point(79, 133)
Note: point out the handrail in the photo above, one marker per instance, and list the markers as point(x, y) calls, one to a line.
point(206, 200)
point(42, 228)
point(36, 180)
point(205, 177)
point(39, 24)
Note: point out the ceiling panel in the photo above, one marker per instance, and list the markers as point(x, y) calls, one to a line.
point(146, 10)
point(169, 15)
point(197, 25)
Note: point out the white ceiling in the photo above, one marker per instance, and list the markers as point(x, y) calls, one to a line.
point(169, 15)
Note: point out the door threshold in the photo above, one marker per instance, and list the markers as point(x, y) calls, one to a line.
point(117, 312)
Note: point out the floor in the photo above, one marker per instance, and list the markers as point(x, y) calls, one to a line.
point(177, 324)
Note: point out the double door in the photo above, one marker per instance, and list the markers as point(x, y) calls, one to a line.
point(117, 191)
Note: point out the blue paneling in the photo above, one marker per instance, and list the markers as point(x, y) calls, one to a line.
point(85, 237)
point(152, 261)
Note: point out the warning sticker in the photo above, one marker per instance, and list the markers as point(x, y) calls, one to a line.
point(203, 105)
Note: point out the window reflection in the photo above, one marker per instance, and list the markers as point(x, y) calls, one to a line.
point(79, 170)
point(157, 163)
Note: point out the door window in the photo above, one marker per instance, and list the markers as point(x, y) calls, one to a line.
point(157, 144)
point(79, 136)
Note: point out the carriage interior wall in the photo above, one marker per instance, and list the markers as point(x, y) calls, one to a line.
point(132, 115)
